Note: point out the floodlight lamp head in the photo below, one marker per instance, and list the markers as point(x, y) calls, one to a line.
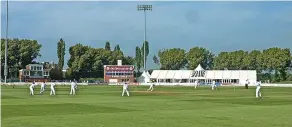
point(144, 7)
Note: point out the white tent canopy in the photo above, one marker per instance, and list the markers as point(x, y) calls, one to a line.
point(145, 77)
point(198, 73)
point(199, 68)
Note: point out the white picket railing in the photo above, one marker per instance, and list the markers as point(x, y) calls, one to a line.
point(47, 83)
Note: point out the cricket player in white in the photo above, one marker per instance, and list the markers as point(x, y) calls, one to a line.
point(213, 85)
point(75, 85)
point(196, 84)
point(72, 92)
point(151, 87)
point(53, 92)
point(42, 87)
point(246, 84)
point(31, 87)
point(125, 89)
point(258, 89)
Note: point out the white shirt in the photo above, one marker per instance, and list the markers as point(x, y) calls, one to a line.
point(72, 84)
point(258, 84)
point(125, 86)
point(43, 85)
point(53, 85)
point(246, 82)
point(214, 83)
point(32, 85)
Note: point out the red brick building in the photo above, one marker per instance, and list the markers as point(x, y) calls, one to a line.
point(118, 73)
point(34, 72)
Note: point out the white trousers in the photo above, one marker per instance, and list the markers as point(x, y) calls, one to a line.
point(53, 91)
point(213, 87)
point(72, 92)
point(31, 91)
point(125, 90)
point(196, 85)
point(150, 88)
point(42, 89)
point(258, 92)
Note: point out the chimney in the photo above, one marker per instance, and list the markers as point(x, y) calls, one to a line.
point(119, 62)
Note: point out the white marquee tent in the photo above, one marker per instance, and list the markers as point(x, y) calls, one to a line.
point(144, 78)
point(185, 77)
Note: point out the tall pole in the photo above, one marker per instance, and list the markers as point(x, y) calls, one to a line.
point(144, 8)
point(6, 44)
point(144, 41)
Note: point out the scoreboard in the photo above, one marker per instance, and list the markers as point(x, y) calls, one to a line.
point(118, 73)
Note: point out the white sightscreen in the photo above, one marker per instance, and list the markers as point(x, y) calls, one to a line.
point(234, 74)
point(243, 75)
point(226, 74)
point(252, 75)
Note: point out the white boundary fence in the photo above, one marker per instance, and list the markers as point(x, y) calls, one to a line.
point(47, 83)
point(191, 84)
point(147, 84)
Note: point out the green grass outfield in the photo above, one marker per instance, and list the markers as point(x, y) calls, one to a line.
point(103, 106)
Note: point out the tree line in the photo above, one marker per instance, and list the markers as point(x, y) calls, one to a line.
point(271, 64)
point(87, 62)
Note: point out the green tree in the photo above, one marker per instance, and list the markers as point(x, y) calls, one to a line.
point(76, 52)
point(253, 61)
point(146, 52)
point(199, 55)
point(117, 48)
point(236, 59)
point(56, 74)
point(61, 53)
point(172, 59)
point(107, 45)
point(222, 61)
point(20, 51)
point(156, 60)
point(128, 60)
point(277, 60)
point(138, 59)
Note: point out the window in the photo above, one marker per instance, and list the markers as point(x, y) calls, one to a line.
point(46, 73)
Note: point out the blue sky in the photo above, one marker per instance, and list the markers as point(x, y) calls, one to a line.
point(217, 26)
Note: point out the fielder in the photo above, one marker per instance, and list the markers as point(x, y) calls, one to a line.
point(196, 84)
point(258, 89)
point(246, 84)
point(31, 87)
point(75, 85)
point(125, 89)
point(72, 92)
point(42, 87)
point(214, 85)
point(53, 92)
point(151, 87)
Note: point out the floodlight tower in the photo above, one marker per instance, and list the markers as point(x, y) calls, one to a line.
point(6, 43)
point(144, 8)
